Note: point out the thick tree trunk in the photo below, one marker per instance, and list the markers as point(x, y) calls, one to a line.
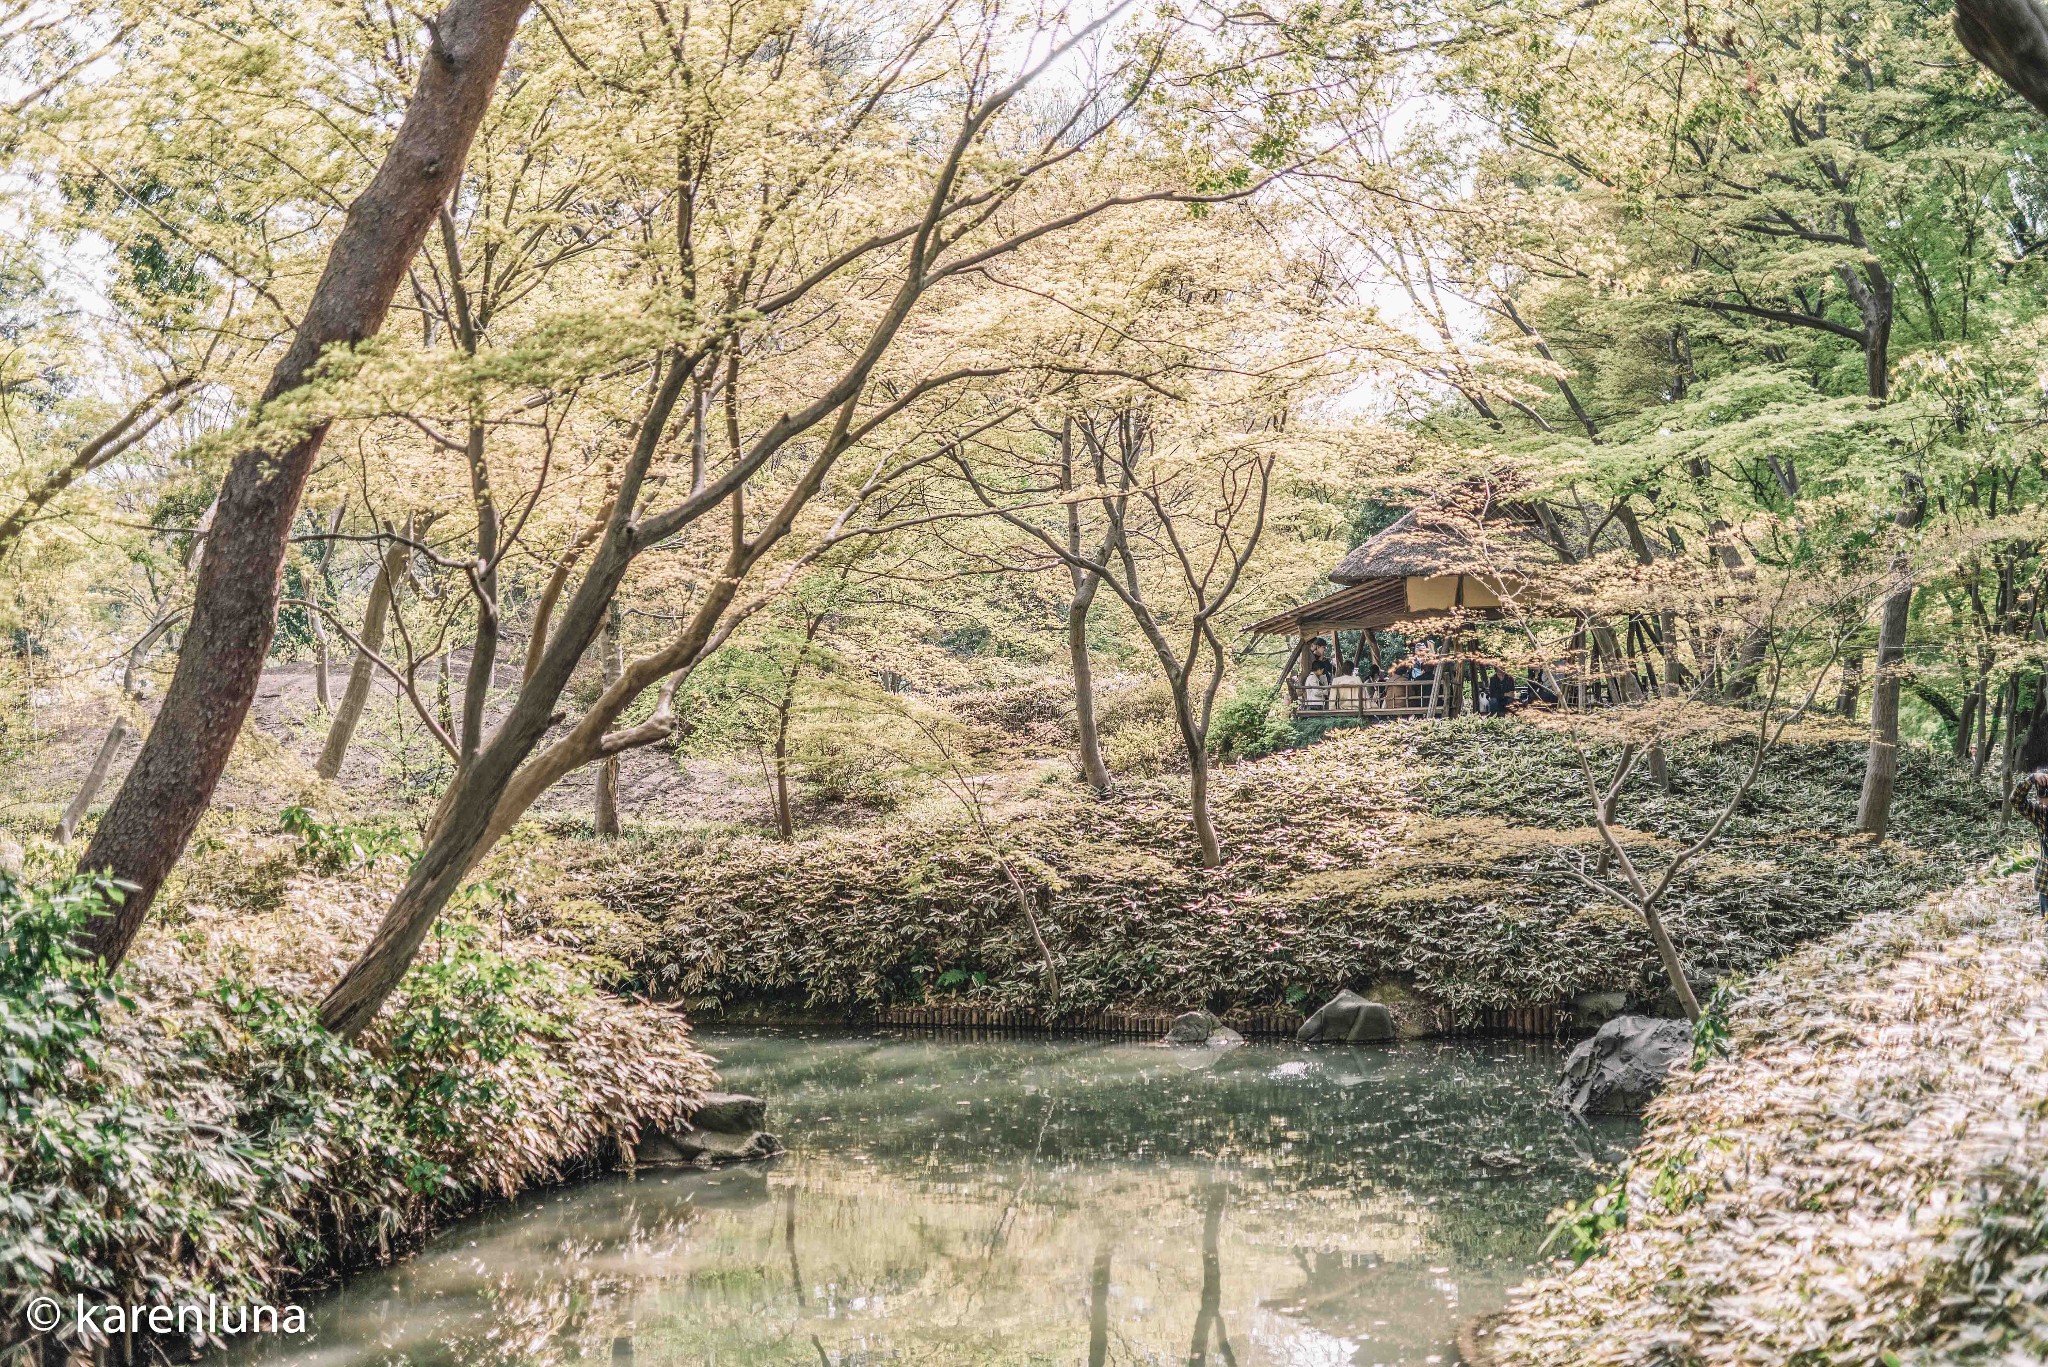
point(2010, 39)
point(606, 819)
point(356, 695)
point(234, 613)
point(1881, 768)
point(1094, 771)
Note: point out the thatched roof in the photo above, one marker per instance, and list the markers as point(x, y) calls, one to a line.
point(1373, 606)
point(1427, 541)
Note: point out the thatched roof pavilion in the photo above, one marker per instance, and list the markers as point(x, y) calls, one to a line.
point(1431, 564)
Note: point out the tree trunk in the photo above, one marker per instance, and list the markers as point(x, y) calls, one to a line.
point(1991, 733)
point(1881, 769)
point(1093, 769)
point(94, 777)
point(483, 657)
point(489, 795)
point(1674, 967)
point(234, 611)
point(2010, 39)
point(606, 820)
point(1094, 772)
point(342, 729)
point(1850, 687)
point(785, 706)
point(785, 818)
point(322, 690)
point(1197, 746)
point(131, 690)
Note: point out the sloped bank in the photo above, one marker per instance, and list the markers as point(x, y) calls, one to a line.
point(1429, 860)
point(1865, 1180)
point(188, 1130)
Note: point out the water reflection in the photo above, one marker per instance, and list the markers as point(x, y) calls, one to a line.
point(1027, 1201)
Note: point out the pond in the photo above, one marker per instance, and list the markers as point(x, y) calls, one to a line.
point(961, 1200)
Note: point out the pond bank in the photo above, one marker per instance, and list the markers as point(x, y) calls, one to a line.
point(189, 1131)
point(1419, 1020)
point(1864, 1180)
point(1430, 862)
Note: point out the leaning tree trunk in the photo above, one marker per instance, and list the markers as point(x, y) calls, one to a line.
point(81, 802)
point(234, 611)
point(1881, 768)
point(131, 692)
point(355, 696)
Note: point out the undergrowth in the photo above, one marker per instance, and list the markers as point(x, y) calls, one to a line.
point(188, 1128)
point(1437, 855)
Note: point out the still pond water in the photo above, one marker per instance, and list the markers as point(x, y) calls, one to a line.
point(1020, 1201)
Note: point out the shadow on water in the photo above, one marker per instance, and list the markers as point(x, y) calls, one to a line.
point(1021, 1201)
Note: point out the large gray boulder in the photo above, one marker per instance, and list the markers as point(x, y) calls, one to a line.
point(1348, 1018)
point(1618, 1070)
point(725, 1129)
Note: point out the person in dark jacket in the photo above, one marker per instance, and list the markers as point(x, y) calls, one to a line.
point(1497, 694)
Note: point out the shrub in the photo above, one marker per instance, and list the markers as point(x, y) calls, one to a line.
point(845, 769)
point(1246, 727)
point(339, 847)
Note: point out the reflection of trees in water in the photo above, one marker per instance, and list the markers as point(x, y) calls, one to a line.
point(1082, 1207)
point(1396, 1128)
point(1098, 1304)
point(1209, 1315)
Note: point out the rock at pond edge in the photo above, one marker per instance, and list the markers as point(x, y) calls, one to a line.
point(731, 1112)
point(1202, 1028)
point(726, 1128)
point(1625, 1064)
point(1348, 1018)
